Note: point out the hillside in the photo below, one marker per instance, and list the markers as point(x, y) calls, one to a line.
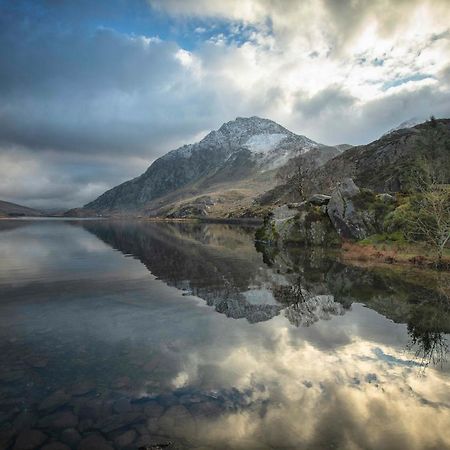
point(8, 209)
point(223, 172)
point(389, 164)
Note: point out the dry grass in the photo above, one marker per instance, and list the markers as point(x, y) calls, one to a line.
point(415, 255)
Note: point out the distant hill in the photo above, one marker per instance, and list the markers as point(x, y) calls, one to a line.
point(8, 209)
point(223, 172)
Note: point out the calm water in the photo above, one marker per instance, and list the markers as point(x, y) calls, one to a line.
point(128, 335)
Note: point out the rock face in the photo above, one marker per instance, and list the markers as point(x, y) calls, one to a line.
point(348, 220)
point(349, 213)
point(246, 148)
point(319, 199)
point(303, 224)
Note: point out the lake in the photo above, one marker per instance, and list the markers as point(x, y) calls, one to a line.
point(127, 335)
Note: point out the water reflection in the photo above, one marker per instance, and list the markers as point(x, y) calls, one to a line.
point(103, 351)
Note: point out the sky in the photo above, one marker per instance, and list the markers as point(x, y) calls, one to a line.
point(91, 92)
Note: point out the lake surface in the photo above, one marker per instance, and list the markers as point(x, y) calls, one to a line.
point(130, 334)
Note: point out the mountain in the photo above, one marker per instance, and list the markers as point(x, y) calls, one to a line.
point(8, 209)
point(405, 124)
point(225, 171)
point(391, 163)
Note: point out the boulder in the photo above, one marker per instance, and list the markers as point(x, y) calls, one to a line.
point(29, 439)
point(349, 216)
point(319, 199)
point(306, 225)
point(386, 198)
point(94, 442)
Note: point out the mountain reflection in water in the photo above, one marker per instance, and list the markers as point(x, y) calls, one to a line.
point(326, 355)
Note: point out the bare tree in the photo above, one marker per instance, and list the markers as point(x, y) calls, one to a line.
point(296, 174)
point(431, 221)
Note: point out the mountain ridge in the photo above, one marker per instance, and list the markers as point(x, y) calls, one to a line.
point(238, 160)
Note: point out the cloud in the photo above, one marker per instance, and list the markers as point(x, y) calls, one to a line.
point(107, 84)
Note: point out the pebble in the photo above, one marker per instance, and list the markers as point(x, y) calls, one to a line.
point(94, 442)
point(125, 439)
point(122, 406)
point(54, 401)
point(63, 419)
point(55, 446)
point(29, 440)
point(71, 437)
point(119, 421)
point(82, 388)
point(153, 409)
point(26, 419)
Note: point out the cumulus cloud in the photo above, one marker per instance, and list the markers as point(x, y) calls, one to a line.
point(114, 87)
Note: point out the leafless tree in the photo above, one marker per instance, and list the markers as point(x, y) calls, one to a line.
point(296, 174)
point(431, 221)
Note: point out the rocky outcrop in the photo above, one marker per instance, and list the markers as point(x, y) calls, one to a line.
point(322, 220)
point(302, 224)
point(349, 220)
point(319, 199)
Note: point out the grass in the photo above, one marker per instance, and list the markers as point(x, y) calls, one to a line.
point(391, 249)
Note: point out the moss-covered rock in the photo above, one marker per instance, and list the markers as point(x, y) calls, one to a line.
point(305, 224)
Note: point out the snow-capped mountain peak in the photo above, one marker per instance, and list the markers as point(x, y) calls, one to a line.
point(263, 143)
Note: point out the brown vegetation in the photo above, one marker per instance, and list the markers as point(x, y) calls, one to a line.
point(416, 255)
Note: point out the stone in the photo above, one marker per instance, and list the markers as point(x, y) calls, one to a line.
point(71, 437)
point(26, 419)
point(94, 409)
point(29, 440)
point(319, 199)
point(38, 362)
point(177, 421)
point(151, 365)
point(6, 437)
point(83, 388)
point(117, 421)
point(54, 401)
point(206, 409)
point(349, 220)
point(121, 383)
point(63, 419)
point(168, 400)
point(94, 442)
point(386, 198)
point(153, 409)
point(55, 446)
point(122, 406)
point(125, 439)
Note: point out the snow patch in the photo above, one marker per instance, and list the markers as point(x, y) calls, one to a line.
point(263, 143)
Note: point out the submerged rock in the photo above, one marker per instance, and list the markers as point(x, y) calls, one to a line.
point(125, 439)
point(54, 401)
point(55, 446)
point(94, 442)
point(29, 440)
point(71, 437)
point(63, 419)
